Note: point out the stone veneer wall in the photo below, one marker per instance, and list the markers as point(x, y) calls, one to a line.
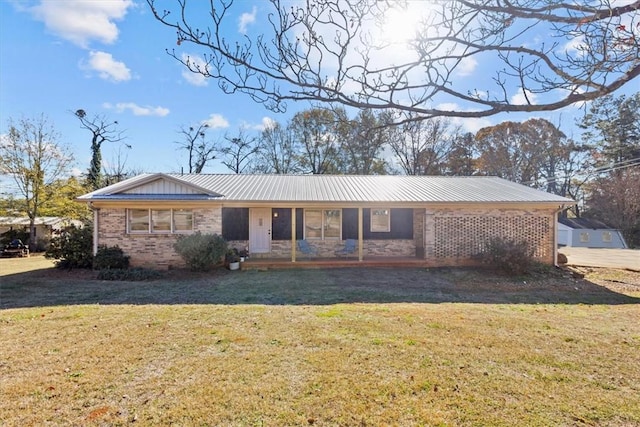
point(455, 236)
point(151, 250)
point(327, 248)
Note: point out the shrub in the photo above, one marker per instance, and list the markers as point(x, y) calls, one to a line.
point(72, 247)
point(110, 257)
point(131, 274)
point(512, 257)
point(562, 259)
point(201, 251)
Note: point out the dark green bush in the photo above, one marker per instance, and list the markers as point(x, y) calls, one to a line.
point(129, 274)
point(201, 251)
point(512, 257)
point(72, 247)
point(110, 257)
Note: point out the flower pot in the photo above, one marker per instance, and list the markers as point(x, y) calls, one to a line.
point(234, 265)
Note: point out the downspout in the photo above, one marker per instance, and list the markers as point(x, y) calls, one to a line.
point(96, 212)
point(555, 234)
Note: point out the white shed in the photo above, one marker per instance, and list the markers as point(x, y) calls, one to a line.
point(588, 233)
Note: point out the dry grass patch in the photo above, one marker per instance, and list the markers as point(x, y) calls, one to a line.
point(439, 348)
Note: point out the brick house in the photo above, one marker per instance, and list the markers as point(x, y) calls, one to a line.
point(442, 221)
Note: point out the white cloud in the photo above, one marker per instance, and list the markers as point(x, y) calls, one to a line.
point(216, 121)
point(467, 66)
point(576, 46)
point(81, 21)
point(195, 79)
point(267, 123)
point(524, 97)
point(136, 109)
point(246, 19)
point(467, 124)
point(107, 67)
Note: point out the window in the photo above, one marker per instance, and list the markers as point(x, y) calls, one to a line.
point(584, 237)
point(160, 220)
point(322, 224)
point(182, 220)
point(138, 220)
point(380, 220)
point(607, 237)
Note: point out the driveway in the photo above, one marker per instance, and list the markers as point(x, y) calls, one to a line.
point(602, 257)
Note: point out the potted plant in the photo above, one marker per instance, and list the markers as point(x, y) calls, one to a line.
point(232, 259)
point(244, 254)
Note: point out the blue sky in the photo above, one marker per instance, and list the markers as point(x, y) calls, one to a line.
point(108, 57)
point(112, 62)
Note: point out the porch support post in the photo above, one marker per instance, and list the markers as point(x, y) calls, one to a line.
point(293, 234)
point(360, 234)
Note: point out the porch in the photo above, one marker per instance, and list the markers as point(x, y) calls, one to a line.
point(369, 261)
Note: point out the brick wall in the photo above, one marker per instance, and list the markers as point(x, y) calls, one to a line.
point(460, 234)
point(441, 236)
point(151, 250)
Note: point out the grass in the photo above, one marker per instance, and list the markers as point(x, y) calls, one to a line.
point(304, 347)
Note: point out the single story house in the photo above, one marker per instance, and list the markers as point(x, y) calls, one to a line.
point(46, 226)
point(588, 233)
point(444, 221)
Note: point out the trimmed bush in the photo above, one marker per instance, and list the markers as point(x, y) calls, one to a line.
point(130, 275)
point(201, 251)
point(72, 247)
point(110, 257)
point(512, 257)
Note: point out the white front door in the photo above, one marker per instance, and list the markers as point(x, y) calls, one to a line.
point(259, 230)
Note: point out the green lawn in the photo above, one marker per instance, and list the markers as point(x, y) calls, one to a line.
point(305, 347)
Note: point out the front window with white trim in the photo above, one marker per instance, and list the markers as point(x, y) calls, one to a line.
point(380, 220)
point(159, 221)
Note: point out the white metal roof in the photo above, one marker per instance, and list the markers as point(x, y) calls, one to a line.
point(329, 188)
point(51, 221)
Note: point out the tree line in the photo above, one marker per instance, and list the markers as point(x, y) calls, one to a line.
point(601, 170)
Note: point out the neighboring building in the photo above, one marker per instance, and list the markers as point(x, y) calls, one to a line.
point(45, 227)
point(588, 233)
point(441, 220)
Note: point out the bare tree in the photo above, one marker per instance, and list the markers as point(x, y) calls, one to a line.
point(422, 147)
point(31, 154)
point(116, 170)
point(102, 130)
point(461, 157)
point(335, 51)
point(363, 139)
point(615, 199)
point(518, 152)
point(278, 150)
point(199, 149)
point(316, 131)
point(239, 152)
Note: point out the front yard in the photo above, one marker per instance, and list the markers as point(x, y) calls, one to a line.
point(320, 347)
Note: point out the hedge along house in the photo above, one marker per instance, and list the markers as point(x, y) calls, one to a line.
point(442, 221)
